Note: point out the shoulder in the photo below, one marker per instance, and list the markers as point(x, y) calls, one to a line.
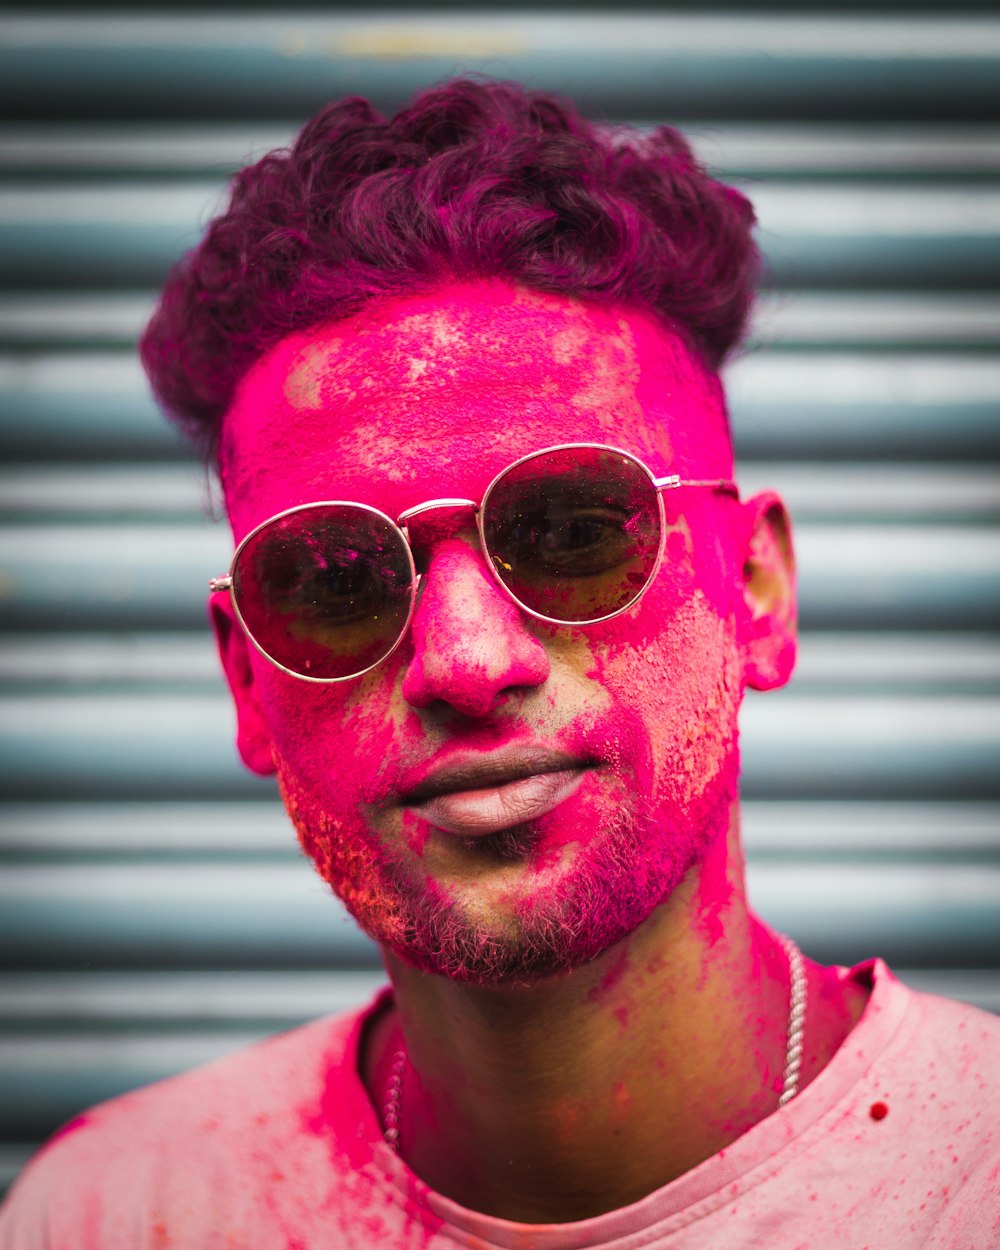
point(939, 1080)
point(960, 1043)
point(954, 1068)
point(909, 1028)
point(199, 1140)
point(938, 1050)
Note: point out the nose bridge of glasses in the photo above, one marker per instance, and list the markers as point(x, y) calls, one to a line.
point(433, 505)
point(427, 524)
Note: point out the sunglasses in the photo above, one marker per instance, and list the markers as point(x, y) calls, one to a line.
point(573, 534)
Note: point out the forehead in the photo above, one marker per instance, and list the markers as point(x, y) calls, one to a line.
point(432, 395)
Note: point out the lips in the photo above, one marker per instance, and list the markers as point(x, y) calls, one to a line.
point(485, 792)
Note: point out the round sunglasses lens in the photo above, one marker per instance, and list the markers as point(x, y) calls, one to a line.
point(325, 591)
point(574, 534)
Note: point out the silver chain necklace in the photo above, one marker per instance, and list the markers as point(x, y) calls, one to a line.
point(793, 1048)
point(796, 1021)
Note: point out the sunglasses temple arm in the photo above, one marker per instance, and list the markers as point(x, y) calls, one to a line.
point(673, 482)
point(220, 583)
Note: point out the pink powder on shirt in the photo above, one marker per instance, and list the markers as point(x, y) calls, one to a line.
point(69, 1127)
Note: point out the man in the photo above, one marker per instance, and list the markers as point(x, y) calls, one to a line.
point(493, 607)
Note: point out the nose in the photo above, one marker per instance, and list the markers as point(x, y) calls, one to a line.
point(471, 644)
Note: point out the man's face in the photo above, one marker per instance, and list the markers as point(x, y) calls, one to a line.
point(593, 765)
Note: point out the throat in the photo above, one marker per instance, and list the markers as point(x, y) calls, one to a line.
point(512, 1102)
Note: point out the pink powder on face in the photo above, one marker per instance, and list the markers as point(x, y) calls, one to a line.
point(621, 1103)
point(429, 398)
point(473, 365)
point(618, 866)
point(440, 631)
point(611, 978)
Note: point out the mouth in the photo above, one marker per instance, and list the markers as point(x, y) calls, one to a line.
point(485, 793)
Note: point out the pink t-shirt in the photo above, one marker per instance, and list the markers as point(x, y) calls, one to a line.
point(895, 1145)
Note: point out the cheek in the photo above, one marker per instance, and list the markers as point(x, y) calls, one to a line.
point(683, 679)
point(327, 736)
point(705, 566)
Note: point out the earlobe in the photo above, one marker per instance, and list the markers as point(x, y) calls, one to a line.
point(768, 629)
point(253, 741)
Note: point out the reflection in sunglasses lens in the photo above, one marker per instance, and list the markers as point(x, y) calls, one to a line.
point(325, 590)
point(574, 533)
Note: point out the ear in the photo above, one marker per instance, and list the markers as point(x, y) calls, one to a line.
point(768, 625)
point(253, 741)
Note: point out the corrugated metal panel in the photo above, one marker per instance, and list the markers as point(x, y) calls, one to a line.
point(155, 911)
point(706, 64)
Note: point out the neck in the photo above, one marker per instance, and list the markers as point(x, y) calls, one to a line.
point(656, 1055)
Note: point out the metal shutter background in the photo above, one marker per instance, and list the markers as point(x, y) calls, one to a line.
point(153, 909)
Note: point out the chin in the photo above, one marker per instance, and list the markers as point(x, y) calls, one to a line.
point(604, 892)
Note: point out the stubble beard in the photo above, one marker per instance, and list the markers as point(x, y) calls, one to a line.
point(630, 866)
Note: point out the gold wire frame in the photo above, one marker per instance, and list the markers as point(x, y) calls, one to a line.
point(399, 526)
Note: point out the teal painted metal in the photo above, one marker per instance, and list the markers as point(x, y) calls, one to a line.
point(706, 66)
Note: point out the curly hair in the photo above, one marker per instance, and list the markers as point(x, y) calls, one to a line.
point(472, 179)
